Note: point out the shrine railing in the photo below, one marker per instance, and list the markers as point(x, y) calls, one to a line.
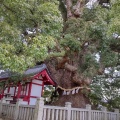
point(42, 112)
point(8, 110)
point(26, 112)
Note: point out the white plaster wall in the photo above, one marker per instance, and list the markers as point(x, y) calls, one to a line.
point(12, 89)
point(27, 89)
point(6, 90)
point(16, 91)
point(24, 103)
point(23, 90)
point(36, 90)
point(37, 81)
point(32, 101)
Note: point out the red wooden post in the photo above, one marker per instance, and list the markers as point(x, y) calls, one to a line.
point(2, 93)
point(29, 92)
point(15, 91)
point(8, 89)
point(19, 91)
point(25, 89)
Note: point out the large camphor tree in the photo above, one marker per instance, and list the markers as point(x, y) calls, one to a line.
point(76, 39)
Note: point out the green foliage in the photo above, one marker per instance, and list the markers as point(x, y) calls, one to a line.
point(105, 92)
point(114, 26)
point(17, 51)
point(71, 42)
point(94, 28)
point(49, 94)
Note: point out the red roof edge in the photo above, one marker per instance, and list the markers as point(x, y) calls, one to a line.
point(44, 73)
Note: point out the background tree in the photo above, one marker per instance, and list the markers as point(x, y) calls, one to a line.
point(105, 90)
point(31, 32)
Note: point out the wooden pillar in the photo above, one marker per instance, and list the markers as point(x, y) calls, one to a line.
point(1, 103)
point(8, 89)
point(25, 89)
point(88, 107)
point(15, 91)
point(117, 112)
point(2, 95)
point(29, 91)
point(39, 109)
point(42, 93)
point(68, 105)
point(104, 109)
point(19, 91)
point(16, 112)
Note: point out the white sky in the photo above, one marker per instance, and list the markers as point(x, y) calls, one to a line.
point(91, 3)
point(1, 71)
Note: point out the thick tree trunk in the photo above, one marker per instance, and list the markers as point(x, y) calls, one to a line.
point(78, 100)
point(68, 89)
point(72, 86)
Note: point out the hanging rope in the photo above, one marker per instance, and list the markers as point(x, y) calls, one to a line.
point(72, 90)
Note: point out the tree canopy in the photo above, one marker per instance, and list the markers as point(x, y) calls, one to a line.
point(28, 30)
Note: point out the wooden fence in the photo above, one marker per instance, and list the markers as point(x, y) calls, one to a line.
point(42, 112)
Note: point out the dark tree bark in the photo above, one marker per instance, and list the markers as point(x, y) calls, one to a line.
point(73, 86)
point(67, 87)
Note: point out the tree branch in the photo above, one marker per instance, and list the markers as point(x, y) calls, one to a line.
point(77, 8)
point(8, 8)
point(69, 5)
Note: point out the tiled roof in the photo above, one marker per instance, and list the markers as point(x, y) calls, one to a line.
point(5, 74)
point(35, 69)
point(31, 71)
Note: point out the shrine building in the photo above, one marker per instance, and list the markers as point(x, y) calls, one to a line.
point(32, 88)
